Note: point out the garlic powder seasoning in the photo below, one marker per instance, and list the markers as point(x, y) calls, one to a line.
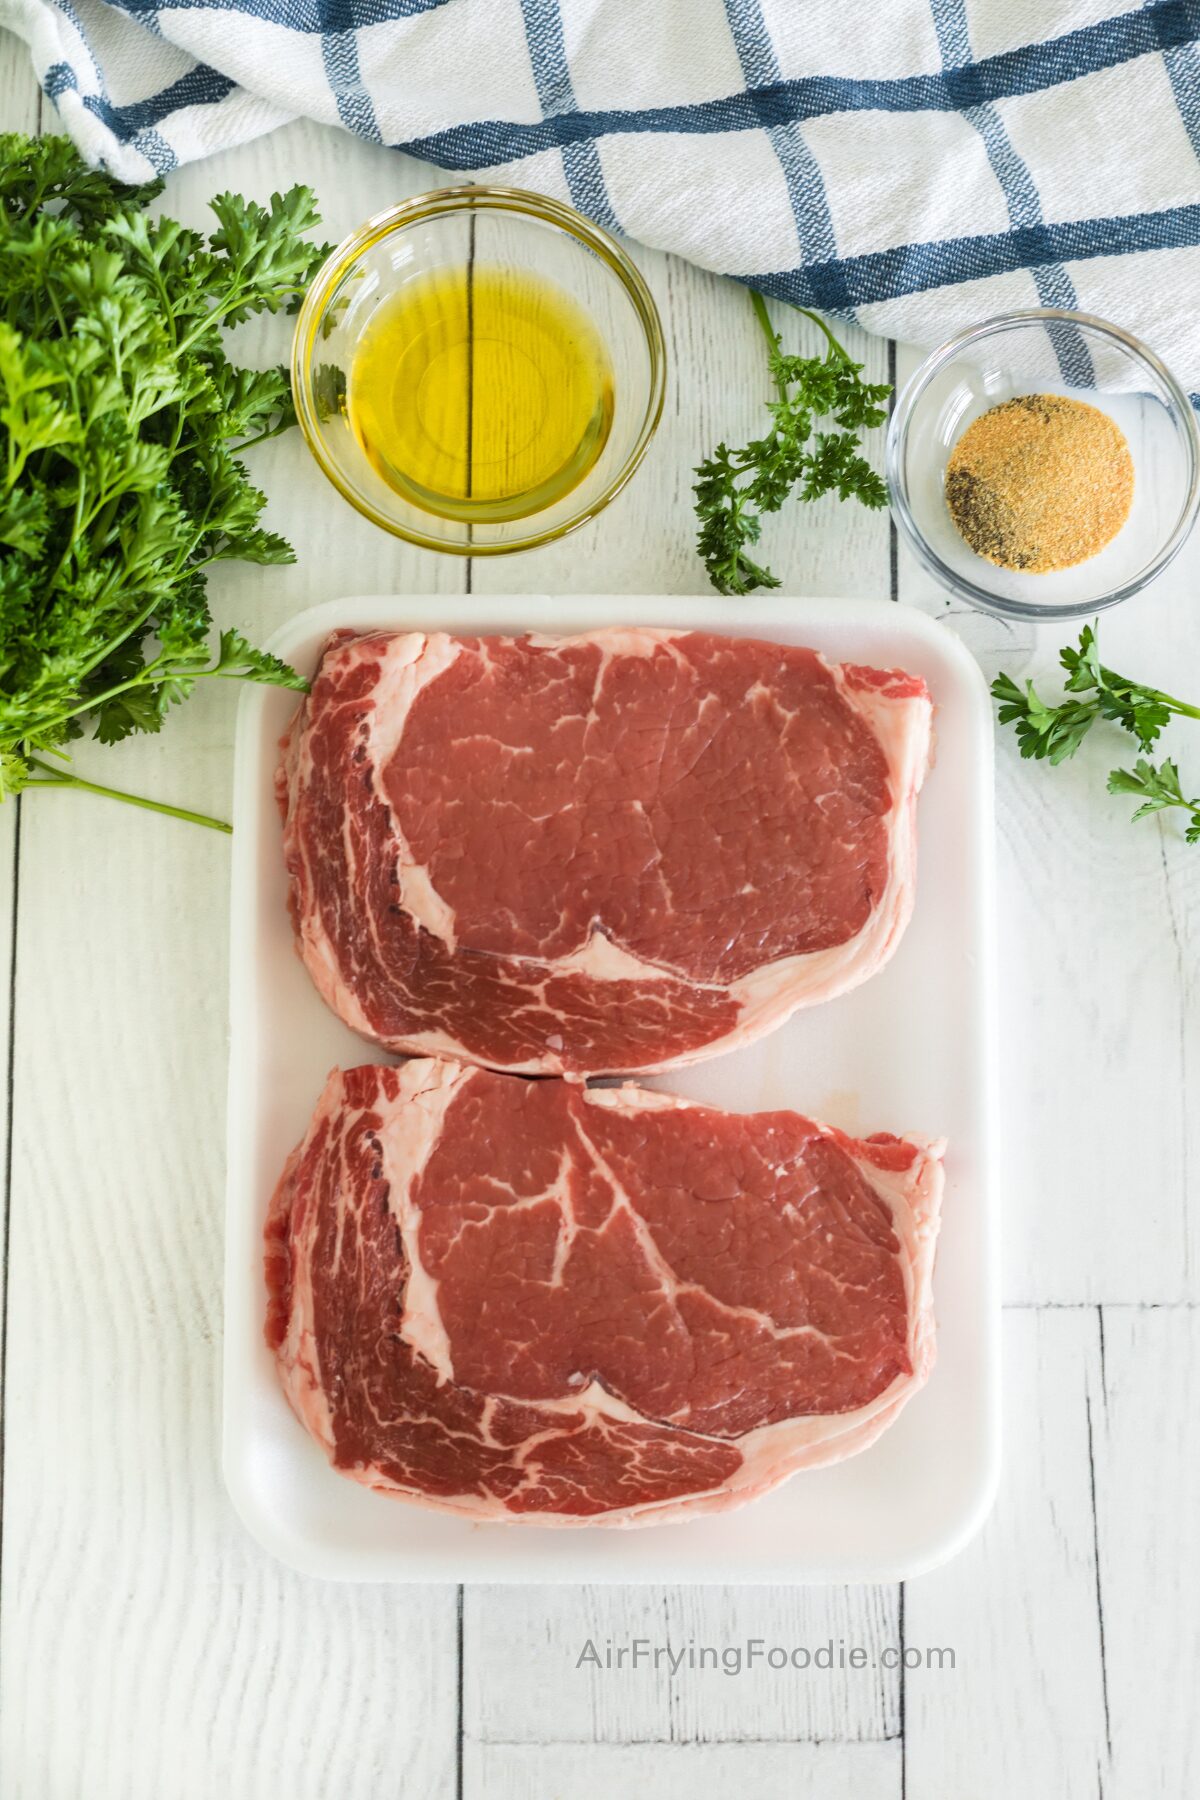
point(1040, 482)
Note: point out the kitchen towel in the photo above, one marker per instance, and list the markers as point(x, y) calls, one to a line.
point(914, 164)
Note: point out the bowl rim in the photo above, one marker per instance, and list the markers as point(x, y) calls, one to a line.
point(443, 202)
point(897, 436)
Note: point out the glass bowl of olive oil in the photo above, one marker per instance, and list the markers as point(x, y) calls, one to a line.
point(479, 370)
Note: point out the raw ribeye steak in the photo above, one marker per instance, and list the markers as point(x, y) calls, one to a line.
point(529, 1300)
point(599, 854)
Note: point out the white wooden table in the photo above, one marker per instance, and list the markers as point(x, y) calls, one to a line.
point(149, 1650)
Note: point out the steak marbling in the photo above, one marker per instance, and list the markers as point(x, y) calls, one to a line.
point(532, 1301)
point(609, 853)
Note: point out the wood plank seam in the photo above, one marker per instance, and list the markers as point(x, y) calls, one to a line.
point(1096, 1537)
point(458, 1747)
point(8, 1155)
point(1181, 971)
point(484, 1742)
point(903, 1686)
point(1082, 1306)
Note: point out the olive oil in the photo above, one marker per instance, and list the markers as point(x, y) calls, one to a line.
point(481, 393)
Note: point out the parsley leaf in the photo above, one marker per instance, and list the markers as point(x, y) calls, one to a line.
point(242, 662)
point(1142, 711)
point(1094, 692)
point(122, 429)
point(1056, 732)
point(1050, 732)
point(734, 488)
point(1157, 788)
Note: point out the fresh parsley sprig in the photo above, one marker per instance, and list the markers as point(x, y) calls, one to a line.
point(736, 487)
point(1056, 732)
point(1094, 692)
point(122, 428)
point(1157, 788)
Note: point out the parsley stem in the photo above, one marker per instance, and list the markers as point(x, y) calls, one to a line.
point(274, 431)
point(1176, 706)
point(145, 674)
point(837, 348)
point(763, 317)
point(114, 643)
point(772, 337)
point(55, 778)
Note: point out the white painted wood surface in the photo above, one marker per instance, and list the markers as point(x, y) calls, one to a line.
point(149, 1649)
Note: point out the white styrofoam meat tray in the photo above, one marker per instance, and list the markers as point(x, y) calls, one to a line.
point(910, 1050)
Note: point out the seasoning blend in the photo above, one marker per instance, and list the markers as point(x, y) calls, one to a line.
point(1040, 482)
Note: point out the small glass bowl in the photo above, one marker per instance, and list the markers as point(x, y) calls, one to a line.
point(448, 229)
point(1046, 350)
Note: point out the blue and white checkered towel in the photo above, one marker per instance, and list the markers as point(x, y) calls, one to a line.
point(916, 164)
